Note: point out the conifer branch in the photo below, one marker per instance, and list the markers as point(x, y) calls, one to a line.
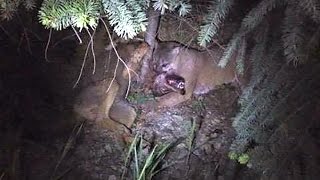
point(311, 8)
point(212, 21)
point(258, 62)
point(258, 13)
point(293, 36)
point(233, 45)
point(241, 56)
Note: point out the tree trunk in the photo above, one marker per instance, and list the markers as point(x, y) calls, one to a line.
point(150, 39)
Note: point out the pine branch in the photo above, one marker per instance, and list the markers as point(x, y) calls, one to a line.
point(161, 5)
point(59, 14)
point(29, 4)
point(313, 43)
point(233, 45)
point(217, 13)
point(299, 93)
point(9, 7)
point(293, 36)
point(182, 6)
point(263, 99)
point(258, 63)
point(127, 17)
point(241, 57)
point(249, 23)
point(257, 14)
point(310, 8)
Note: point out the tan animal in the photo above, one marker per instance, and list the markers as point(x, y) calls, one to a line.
point(199, 69)
point(132, 54)
point(108, 106)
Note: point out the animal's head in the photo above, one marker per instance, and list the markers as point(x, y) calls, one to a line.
point(164, 56)
point(176, 82)
point(159, 88)
point(166, 83)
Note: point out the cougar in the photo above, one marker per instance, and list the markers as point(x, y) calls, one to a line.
point(198, 68)
point(104, 102)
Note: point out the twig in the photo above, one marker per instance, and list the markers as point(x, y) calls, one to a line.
point(80, 40)
point(58, 42)
point(82, 66)
point(69, 144)
point(27, 39)
point(47, 46)
point(195, 29)
point(2, 175)
point(92, 49)
point(119, 59)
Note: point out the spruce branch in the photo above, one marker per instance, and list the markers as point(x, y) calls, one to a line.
point(298, 92)
point(313, 43)
point(59, 14)
point(241, 57)
point(160, 5)
point(311, 8)
point(233, 45)
point(182, 6)
point(52, 15)
point(29, 4)
point(8, 7)
point(258, 62)
point(84, 13)
point(257, 14)
point(212, 21)
point(261, 101)
point(293, 36)
point(128, 19)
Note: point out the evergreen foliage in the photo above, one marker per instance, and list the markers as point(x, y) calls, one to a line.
point(212, 21)
point(182, 6)
point(8, 7)
point(59, 14)
point(297, 16)
point(128, 17)
point(241, 57)
point(272, 125)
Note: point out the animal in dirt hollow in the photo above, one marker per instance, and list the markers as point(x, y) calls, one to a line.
point(106, 105)
point(198, 68)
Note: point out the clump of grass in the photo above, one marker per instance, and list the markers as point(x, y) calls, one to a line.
point(139, 97)
point(67, 147)
point(198, 105)
point(145, 165)
point(240, 158)
point(191, 137)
